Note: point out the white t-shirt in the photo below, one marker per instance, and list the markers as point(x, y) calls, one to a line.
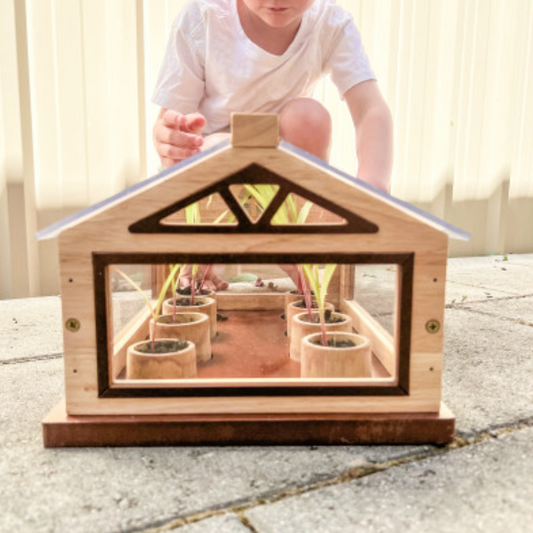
point(211, 66)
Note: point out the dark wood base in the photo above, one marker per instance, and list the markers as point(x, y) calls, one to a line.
point(62, 430)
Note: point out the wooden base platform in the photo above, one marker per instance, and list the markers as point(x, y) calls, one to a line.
point(62, 430)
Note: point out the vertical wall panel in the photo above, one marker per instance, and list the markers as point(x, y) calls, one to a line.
point(522, 104)
point(45, 123)
point(19, 263)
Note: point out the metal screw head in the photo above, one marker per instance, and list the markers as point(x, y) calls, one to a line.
point(72, 325)
point(432, 326)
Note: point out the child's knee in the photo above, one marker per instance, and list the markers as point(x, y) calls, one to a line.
point(306, 123)
point(305, 111)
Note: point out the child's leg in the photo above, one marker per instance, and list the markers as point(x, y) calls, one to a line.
point(306, 123)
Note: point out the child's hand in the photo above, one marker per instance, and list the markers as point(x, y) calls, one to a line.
point(212, 281)
point(176, 136)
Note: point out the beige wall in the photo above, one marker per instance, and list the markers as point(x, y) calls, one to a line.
point(76, 78)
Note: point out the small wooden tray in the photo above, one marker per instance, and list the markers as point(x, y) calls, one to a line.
point(62, 430)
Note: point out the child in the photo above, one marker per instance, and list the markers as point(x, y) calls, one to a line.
point(228, 56)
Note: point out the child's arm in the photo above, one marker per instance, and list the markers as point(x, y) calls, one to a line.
point(373, 128)
point(176, 136)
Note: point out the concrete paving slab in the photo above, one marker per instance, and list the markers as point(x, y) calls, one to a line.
point(486, 383)
point(462, 294)
point(130, 489)
point(488, 364)
point(515, 309)
point(479, 488)
point(512, 275)
point(228, 523)
point(523, 259)
point(30, 327)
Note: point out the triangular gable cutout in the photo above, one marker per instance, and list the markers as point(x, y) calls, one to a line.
point(207, 211)
point(254, 199)
point(254, 174)
point(296, 210)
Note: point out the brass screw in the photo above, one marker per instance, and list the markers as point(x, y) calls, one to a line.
point(72, 325)
point(432, 326)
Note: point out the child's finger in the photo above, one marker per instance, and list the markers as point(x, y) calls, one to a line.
point(185, 140)
point(171, 119)
point(183, 123)
point(195, 123)
point(176, 153)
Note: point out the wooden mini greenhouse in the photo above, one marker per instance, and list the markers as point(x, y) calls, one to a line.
point(249, 387)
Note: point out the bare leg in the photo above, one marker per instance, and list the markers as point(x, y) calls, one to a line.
point(306, 123)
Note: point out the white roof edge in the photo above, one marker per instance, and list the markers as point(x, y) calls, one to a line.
point(439, 224)
point(52, 231)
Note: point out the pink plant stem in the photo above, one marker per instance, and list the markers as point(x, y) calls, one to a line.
point(204, 279)
point(193, 287)
point(323, 331)
point(307, 295)
point(174, 308)
point(301, 282)
point(152, 335)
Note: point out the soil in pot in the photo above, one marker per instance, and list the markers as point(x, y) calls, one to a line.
point(298, 306)
point(302, 326)
point(335, 343)
point(194, 327)
point(162, 346)
point(348, 355)
point(177, 362)
point(186, 291)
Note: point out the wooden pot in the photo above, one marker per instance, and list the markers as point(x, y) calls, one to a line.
point(301, 327)
point(292, 309)
point(173, 364)
point(318, 361)
point(207, 306)
point(192, 327)
point(292, 296)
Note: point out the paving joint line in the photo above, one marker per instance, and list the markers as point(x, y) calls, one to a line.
point(459, 305)
point(348, 475)
point(31, 358)
point(520, 321)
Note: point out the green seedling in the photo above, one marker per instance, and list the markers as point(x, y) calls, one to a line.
point(320, 288)
point(174, 284)
point(193, 216)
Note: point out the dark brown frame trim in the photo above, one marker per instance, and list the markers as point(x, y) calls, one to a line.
point(403, 343)
point(254, 174)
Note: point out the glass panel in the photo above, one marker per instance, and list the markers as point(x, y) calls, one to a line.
point(251, 332)
point(298, 210)
point(127, 302)
point(254, 199)
point(375, 290)
point(209, 210)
